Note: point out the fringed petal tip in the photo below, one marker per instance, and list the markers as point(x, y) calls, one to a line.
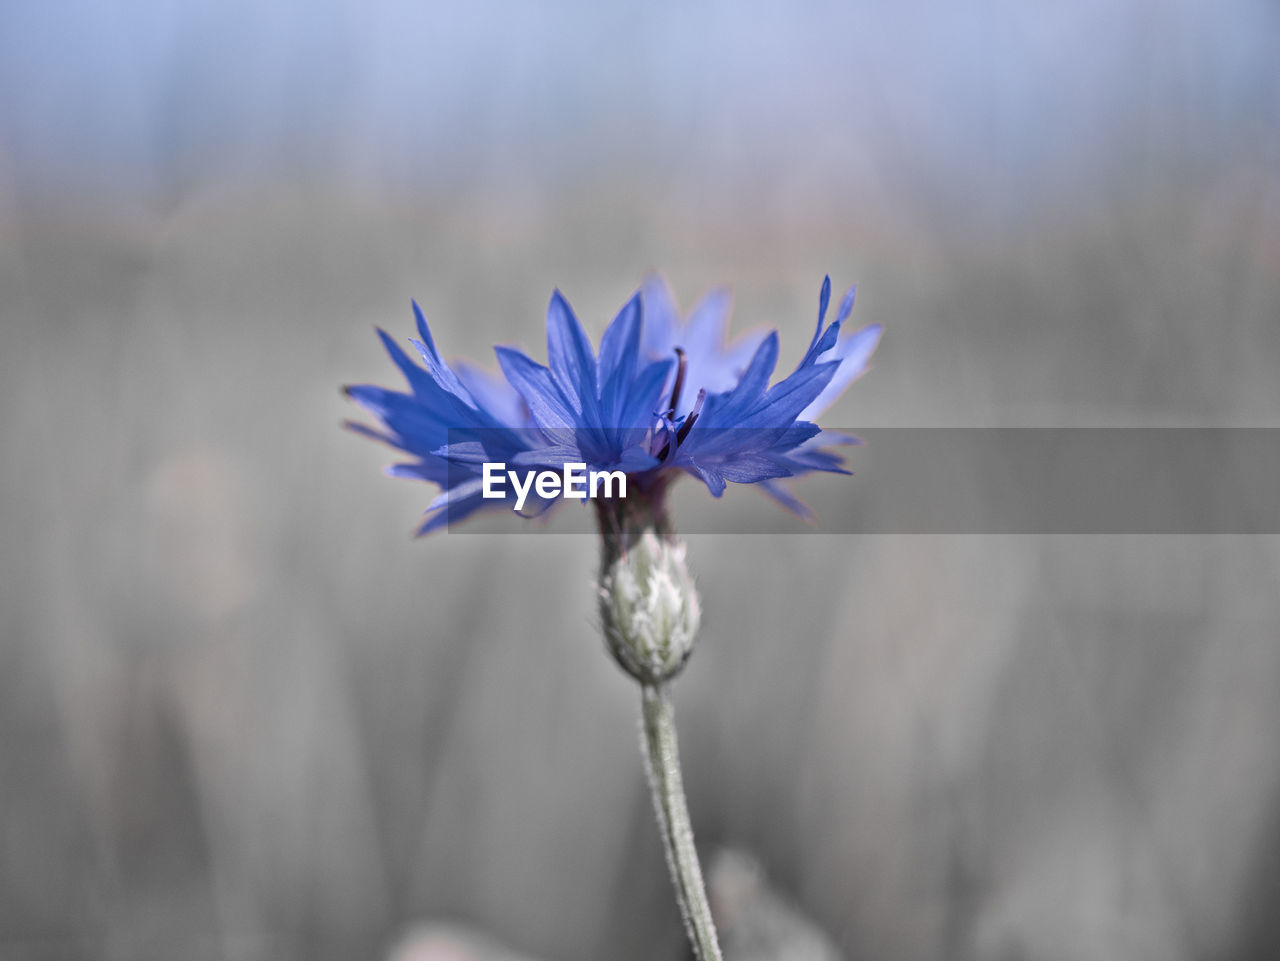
point(783, 496)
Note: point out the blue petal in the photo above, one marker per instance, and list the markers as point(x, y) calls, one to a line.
point(715, 483)
point(419, 426)
point(493, 394)
point(708, 320)
point(827, 339)
point(458, 492)
point(846, 306)
point(535, 383)
point(756, 377)
point(829, 437)
point(464, 452)
point(358, 428)
point(750, 468)
point(435, 364)
point(458, 510)
point(569, 355)
point(552, 458)
point(643, 395)
point(436, 472)
point(786, 399)
point(787, 499)
point(854, 352)
point(824, 298)
point(418, 378)
point(635, 460)
point(822, 344)
point(619, 353)
point(423, 330)
point(620, 346)
point(661, 317)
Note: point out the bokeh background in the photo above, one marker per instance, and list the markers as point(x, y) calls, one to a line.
point(245, 715)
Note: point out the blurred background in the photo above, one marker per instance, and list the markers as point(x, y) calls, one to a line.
point(245, 715)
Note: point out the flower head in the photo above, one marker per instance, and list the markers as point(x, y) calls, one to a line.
point(662, 395)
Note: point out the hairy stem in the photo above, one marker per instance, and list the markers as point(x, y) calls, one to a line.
point(663, 762)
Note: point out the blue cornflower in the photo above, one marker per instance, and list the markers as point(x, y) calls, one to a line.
point(662, 395)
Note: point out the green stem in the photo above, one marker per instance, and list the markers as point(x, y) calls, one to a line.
point(673, 819)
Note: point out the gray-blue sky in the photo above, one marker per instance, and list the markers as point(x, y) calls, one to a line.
point(137, 100)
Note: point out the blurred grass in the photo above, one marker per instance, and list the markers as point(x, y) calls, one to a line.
point(245, 715)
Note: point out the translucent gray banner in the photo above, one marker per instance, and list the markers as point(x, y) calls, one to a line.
point(998, 481)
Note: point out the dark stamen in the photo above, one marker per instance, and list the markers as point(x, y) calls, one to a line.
point(687, 426)
point(679, 384)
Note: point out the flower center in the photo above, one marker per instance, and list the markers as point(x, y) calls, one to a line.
point(687, 424)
